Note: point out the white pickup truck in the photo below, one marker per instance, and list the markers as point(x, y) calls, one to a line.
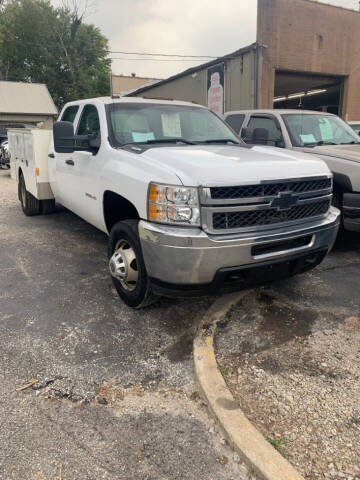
point(317, 133)
point(188, 207)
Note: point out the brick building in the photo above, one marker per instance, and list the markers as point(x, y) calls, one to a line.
point(305, 56)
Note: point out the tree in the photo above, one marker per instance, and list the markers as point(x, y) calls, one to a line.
point(40, 43)
point(2, 4)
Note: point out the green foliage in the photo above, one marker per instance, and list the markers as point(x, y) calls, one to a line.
point(43, 44)
point(278, 444)
point(223, 370)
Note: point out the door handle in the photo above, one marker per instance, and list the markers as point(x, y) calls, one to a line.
point(51, 155)
point(70, 162)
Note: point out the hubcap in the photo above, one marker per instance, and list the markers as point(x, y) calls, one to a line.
point(123, 265)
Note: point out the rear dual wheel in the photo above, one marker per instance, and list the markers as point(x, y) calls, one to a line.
point(30, 205)
point(47, 206)
point(127, 267)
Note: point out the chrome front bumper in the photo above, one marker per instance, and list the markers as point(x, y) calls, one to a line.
point(189, 256)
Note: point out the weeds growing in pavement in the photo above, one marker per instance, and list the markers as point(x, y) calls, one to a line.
point(278, 444)
point(223, 370)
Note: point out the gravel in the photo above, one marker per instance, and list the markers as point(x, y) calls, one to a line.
point(291, 357)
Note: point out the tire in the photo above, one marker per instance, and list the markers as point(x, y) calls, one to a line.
point(47, 206)
point(124, 239)
point(29, 204)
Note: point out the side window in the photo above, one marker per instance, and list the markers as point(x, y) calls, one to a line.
point(269, 134)
point(89, 121)
point(89, 124)
point(356, 128)
point(235, 122)
point(70, 113)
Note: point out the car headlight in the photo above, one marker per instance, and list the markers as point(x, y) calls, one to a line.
point(172, 204)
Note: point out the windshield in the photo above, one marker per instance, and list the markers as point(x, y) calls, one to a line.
point(139, 123)
point(308, 130)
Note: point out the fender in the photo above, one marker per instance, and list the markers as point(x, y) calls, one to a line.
point(342, 182)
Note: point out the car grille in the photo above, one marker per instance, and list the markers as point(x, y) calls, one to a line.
point(269, 189)
point(265, 205)
point(258, 218)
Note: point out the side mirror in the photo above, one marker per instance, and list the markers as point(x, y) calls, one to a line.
point(245, 134)
point(94, 142)
point(64, 140)
point(260, 136)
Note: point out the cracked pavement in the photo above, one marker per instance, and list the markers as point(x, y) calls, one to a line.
point(115, 396)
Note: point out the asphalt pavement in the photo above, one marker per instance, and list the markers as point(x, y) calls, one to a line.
point(115, 395)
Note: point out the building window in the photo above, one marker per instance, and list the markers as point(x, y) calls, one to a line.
point(320, 40)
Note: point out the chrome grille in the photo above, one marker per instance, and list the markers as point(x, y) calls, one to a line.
point(242, 208)
point(257, 218)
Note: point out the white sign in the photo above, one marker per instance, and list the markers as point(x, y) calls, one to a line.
point(142, 136)
point(171, 125)
point(215, 88)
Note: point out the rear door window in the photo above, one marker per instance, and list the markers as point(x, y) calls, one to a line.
point(235, 121)
point(70, 113)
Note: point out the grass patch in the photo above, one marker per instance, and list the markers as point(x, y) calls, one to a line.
point(278, 444)
point(195, 395)
point(254, 474)
point(223, 370)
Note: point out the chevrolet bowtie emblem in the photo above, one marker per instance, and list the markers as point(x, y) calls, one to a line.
point(284, 201)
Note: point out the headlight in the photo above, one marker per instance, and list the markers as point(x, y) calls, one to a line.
point(176, 205)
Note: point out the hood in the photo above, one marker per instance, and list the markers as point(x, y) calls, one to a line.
point(232, 165)
point(348, 152)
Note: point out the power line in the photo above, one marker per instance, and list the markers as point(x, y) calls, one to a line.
point(155, 59)
point(163, 55)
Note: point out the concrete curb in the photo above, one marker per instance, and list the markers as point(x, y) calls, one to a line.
point(246, 440)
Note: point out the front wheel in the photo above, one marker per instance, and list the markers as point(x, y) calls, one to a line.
point(127, 267)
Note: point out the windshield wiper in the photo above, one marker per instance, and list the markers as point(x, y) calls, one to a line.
point(349, 143)
point(169, 140)
point(157, 140)
point(319, 144)
point(220, 140)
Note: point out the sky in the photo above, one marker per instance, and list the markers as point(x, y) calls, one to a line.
point(190, 27)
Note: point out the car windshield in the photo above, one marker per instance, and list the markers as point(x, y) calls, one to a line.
point(308, 130)
point(152, 123)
